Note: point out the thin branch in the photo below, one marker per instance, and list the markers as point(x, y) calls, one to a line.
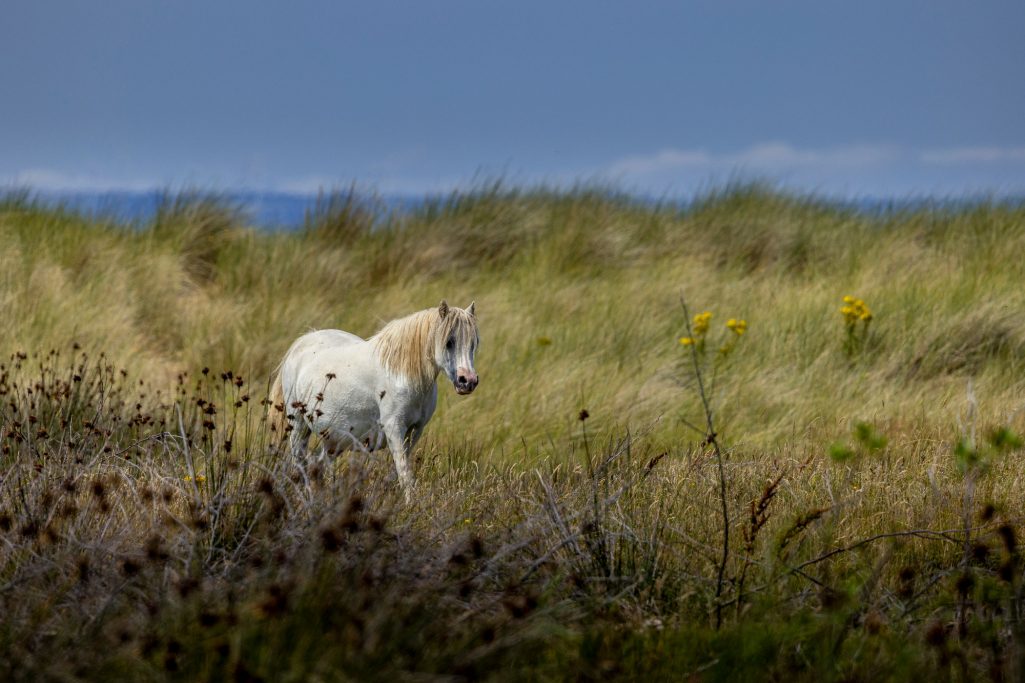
point(927, 534)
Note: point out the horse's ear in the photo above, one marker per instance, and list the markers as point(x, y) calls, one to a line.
point(470, 309)
point(443, 309)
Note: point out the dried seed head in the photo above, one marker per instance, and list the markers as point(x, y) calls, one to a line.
point(1007, 535)
point(519, 605)
point(187, 586)
point(654, 461)
point(83, 569)
point(477, 547)
point(155, 551)
point(276, 602)
point(29, 530)
point(936, 634)
point(208, 619)
point(831, 599)
point(874, 622)
point(964, 584)
point(330, 540)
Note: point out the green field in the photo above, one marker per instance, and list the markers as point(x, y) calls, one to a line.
point(152, 527)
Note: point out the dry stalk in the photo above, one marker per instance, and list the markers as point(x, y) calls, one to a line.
point(712, 439)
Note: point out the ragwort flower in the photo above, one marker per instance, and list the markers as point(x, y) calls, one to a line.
point(739, 327)
point(701, 322)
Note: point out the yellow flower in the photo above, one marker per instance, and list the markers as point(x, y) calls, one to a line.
point(738, 326)
point(686, 341)
point(199, 478)
point(855, 310)
point(701, 321)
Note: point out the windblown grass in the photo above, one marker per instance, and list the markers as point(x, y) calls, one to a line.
point(152, 527)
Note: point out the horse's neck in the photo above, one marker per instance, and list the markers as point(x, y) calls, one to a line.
point(404, 349)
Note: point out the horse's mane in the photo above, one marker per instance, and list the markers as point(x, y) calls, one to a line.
point(406, 346)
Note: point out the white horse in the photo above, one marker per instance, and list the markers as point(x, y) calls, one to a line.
point(357, 393)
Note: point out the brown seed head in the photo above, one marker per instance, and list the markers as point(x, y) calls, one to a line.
point(1007, 535)
point(964, 584)
point(936, 634)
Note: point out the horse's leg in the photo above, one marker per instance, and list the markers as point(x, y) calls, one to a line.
point(413, 435)
point(395, 432)
point(299, 439)
point(331, 445)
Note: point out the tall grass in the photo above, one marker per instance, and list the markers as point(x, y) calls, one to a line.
point(152, 527)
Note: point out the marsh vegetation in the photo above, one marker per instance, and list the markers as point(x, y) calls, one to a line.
point(839, 498)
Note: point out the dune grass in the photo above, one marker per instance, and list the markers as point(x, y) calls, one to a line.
point(147, 506)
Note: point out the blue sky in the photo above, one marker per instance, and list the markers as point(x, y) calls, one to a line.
point(891, 98)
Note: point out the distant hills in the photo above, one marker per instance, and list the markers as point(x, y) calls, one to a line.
point(286, 211)
point(274, 210)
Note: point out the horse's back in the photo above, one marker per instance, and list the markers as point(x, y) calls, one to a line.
point(316, 354)
point(326, 338)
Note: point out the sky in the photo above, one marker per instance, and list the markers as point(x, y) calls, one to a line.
point(886, 99)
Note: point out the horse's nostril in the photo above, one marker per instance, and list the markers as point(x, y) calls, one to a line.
point(462, 379)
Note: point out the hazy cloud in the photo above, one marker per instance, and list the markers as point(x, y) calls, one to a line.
point(768, 157)
point(308, 185)
point(664, 160)
point(878, 168)
point(974, 155)
point(58, 181)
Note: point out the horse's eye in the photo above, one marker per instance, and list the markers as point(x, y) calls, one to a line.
point(449, 344)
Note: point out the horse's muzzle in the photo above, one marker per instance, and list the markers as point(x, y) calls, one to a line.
point(466, 381)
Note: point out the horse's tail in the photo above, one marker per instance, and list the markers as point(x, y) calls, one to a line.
point(276, 403)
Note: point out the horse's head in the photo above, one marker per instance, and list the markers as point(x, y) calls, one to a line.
point(455, 345)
